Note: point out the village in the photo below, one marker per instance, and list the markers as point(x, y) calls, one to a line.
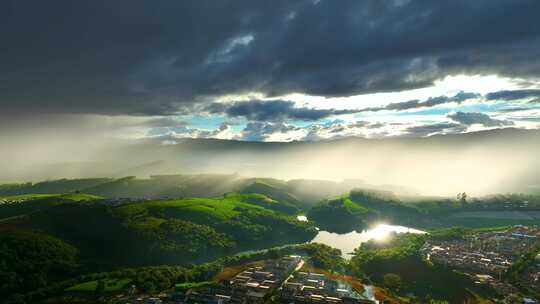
point(487, 256)
point(279, 281)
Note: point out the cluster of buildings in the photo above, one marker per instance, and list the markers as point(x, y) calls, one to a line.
point(308, 287)
point(253, 285)
point(487, 253)
point(487, 256)
point(275, 281)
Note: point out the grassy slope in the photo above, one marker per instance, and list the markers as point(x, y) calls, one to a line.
point(30, 260)
point(354, 208)
point(245, 217)
point(198, 210)
point(341, 215)
point(299, 193)
point(290, 203)
point(29, 203)
point(52, 187)
point(76, 197)
point(170, 231)
point(111, 285)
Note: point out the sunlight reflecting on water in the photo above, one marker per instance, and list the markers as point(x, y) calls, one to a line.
point(347, 242)
point(302, 218)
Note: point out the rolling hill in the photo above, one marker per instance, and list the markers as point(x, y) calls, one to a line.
point(299, 194)
point(167, 231)
point(17, 205)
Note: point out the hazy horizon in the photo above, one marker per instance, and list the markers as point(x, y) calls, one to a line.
point(480, 163)
point(118, 90)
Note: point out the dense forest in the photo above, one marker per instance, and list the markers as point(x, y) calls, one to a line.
point(155, 278)
point(170, 231)
point(31, 260)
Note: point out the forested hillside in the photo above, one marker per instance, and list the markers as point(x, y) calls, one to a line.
point(166, 231)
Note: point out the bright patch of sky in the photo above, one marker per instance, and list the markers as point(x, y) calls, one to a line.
point(448, 86)
point(227, 52)
point(203, 122)
point(381, 123)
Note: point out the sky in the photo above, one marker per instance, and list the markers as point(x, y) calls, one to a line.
point(266, 70)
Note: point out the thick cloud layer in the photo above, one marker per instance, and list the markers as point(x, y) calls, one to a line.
point(472, 118)
point(430, 102)
point(273, 110)
point(153, 58)
point(438, 128)
point(513, 95)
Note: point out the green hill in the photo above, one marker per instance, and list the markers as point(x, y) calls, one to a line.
point(178, 231)
point(18, 205)
point(359, 208)
point(341, 215)
point(201, 185)
point(31, 260)
point(51, 187)
point(302, 194)
point(289, 203)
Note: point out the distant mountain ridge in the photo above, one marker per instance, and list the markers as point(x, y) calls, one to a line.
point(494, 161)
point(296, 194)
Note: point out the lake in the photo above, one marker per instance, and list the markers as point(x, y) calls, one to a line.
point(347, 242)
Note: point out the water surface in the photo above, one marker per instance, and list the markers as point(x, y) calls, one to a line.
point(347, 242)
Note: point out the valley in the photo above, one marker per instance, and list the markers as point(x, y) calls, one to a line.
point(115, 226)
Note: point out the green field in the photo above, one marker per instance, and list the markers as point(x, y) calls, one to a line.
point(190, 285)
point(26, 197)
point(177, 231)
point(77, 197)
point(111, 285)
point(198, 210)
point(353, 207)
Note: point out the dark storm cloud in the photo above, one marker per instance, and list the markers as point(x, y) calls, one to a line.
point(153, 58)
point(260, 131)
point(279, 110)
point(273, 110)
point(471, 118)
point(430, 102)
point(430, 129)
point(513, 94)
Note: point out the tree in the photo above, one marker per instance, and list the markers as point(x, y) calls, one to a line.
point(392, 281)
point(100, 288)
point(462, 198)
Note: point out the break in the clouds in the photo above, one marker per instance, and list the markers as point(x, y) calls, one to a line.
point(284, 68)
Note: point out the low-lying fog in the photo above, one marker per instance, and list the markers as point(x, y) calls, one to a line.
point(479, 163)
